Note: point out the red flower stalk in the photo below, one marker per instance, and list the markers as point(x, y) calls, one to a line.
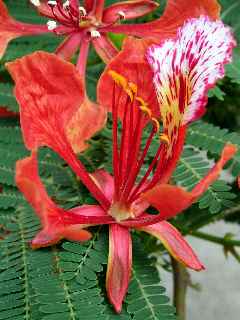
point(169, 85)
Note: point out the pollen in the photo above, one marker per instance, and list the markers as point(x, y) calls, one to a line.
point(129, 87)
point(66, 4)
point(82, 11)
point(156, 122)
point(51, 25)
point(36, 3)
point(164, 138)
point(95, 34)
point(122, 15)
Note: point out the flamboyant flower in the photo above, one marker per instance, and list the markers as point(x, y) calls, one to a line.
point(165, 91)
point(92, 22)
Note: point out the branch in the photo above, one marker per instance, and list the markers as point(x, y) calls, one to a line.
point(225, 241)
point(180, 283)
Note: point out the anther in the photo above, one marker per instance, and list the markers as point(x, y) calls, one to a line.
point(164, 138)
point(82, 11)
point(156, 123)
point(118, 78)
point(51, 25)
point(146, 110)
point(129, 87)
point(52, 3)
point(95, 34)
point(66, 5)
point(133, 87)
point(122, 15)
point(36, 3)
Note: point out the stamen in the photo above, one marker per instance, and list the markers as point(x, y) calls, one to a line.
point(95, 34)
point(66, 5)
point(129, 87)
point(156, 123)
point(164, 138)
point(51, 25)
point(36, 3)
point(82, 11)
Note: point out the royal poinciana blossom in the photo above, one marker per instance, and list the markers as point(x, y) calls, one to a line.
point(89, 21)
point(167, 89)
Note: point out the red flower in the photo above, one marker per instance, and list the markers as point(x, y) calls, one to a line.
point(93, 22)
point(50, 90)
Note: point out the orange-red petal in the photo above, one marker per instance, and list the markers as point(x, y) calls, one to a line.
point(105, 48)
point(53, 218)
point(86, 121)
point(105, 182)
point(130, 63)
point(11, 29)
point(175, 14)
point(49, 91)
point(68, 47)
point(128, 9)
point(171, 200)
point(175, 243)
point(119, 265)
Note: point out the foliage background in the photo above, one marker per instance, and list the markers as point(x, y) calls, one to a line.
point(67, 281)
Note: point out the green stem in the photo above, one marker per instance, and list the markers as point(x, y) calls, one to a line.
point(180, 284)
point(235, 254)
point(215, 239)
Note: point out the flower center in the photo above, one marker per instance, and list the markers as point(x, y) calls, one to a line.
point(67, 15)
point(120, 212)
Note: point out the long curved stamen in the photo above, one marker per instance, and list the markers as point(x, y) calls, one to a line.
point(130, 141)
point(65, 14)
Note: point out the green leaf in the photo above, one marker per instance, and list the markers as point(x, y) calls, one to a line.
point(212, 139)
point(146, 299)
point(192, 167)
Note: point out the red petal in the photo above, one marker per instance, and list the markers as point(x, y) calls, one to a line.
point(11, 29)
point(131, 10)
point(105, 182)
point(52, 217)
point(175, 243)
point(176, 12)
point(171, 200)
point(49, 91)
point(88, 5)
point(105, 48)
point(89, 119)
point(69, 46)
point(119, 265)
point(132, 64)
